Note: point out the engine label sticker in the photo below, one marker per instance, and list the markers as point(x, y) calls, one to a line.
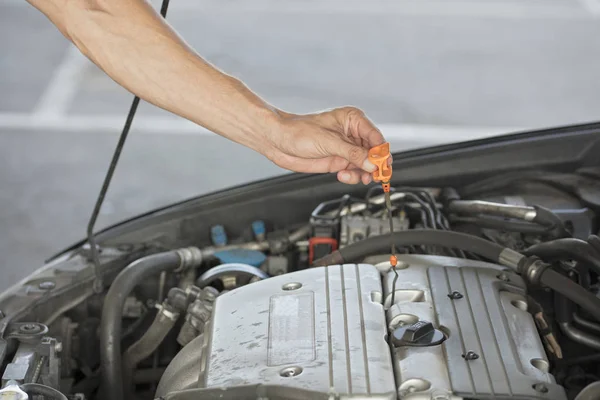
point(291, 329)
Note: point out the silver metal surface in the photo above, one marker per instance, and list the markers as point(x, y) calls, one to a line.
point(182, 372)
point(22, 367)
point(190, 257)
point(472, 207)
point(12, 391)
point(232, 275)
point(320, 329)
point(510, 258)
point(196, 315)
point(487, 319)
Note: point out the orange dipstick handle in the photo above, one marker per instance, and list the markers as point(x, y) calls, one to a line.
point(379, 155)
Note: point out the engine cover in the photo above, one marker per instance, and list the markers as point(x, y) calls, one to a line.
point(320, 329)
point(492, 349)
point(320, 334)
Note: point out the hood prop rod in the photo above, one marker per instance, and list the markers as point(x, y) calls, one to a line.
point(98, 284)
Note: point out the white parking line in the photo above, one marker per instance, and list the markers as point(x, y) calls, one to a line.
point(59, 93)
point(83, 124)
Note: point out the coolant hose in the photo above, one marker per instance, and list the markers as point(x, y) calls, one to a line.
point(567, 248)
point(161, 326)
point(112, 310)
point(36, 389)
point(564, 318)
point(452, 240)
point(572, 291)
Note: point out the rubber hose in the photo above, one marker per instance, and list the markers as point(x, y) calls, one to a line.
point(375, 245)
point(161, 326)
point(546, 217)
point(500, 224)
point(590, 392)
point(586, 323)
point(594, 241)
point(572, 291)
point(575, 249)
point(112, 314)
point(35, 389)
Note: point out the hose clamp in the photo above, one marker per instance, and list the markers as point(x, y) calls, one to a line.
point(534, 270)
point(190, 257)
point(510, 258)
point(167, 312)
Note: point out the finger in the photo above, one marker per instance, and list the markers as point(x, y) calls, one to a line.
point(350, 176)
point(359, 125)
point(354, 154)
point(366, 178)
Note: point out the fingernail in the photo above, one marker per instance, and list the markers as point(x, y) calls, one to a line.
point(369, 166)
point(345, 176)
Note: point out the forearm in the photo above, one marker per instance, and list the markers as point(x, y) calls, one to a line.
point(139, 50)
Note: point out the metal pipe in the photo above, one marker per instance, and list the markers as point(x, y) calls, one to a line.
point(524, 213)
point(163, 323)
point(299, 234)
point(564, 314)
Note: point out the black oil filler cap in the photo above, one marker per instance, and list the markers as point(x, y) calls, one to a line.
point(419, 334)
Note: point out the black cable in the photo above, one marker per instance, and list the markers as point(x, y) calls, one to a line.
point(376, 245)
point(36, 389)
point(98, 282)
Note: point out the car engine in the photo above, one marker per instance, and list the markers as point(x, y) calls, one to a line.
point(324, 330)
point(493, 296)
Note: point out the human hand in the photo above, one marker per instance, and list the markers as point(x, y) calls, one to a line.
point(332, 141)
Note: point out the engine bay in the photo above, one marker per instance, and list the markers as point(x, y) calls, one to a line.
point(494, 296)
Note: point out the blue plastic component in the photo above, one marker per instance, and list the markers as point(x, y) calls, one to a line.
point(218, 235)
point(259, 229)
point(243, 256)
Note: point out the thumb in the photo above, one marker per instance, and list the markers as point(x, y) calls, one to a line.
point(356, 155)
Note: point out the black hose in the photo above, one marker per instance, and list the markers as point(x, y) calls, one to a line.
point(572, 291)
point(586, 323)
point(35, 389)
point(567, 248)
point(161, 326)
point(564, 319)
point(594, 241)
point(112, 311)
point(375, 245)
point(549, 219)
point(501, 224)
point(589, 358)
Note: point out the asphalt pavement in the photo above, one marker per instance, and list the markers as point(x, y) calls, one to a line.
point(426, 71)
